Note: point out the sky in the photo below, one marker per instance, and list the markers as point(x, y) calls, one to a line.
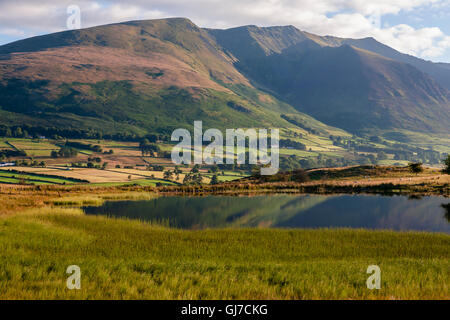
point(417, 27)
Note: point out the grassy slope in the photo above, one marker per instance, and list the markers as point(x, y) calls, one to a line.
point(136, 77)
point(126, 259)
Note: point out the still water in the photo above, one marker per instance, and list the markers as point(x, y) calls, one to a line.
point(287, 211)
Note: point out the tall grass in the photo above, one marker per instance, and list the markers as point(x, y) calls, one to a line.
point(122, 259)
point(98, 200)
point(16, 199)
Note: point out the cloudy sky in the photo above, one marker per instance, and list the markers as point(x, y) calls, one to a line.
point(417, 27)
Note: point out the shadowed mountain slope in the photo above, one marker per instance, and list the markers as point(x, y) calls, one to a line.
point(338, 81)
point(154, 76)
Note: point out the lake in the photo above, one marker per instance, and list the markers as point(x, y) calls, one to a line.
point(287, 211)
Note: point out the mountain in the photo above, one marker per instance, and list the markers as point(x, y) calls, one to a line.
point(340, 81)
point(138, 77)
point(438, 71)
point(154, 76)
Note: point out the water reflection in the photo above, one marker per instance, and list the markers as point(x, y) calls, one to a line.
point(447, 211)
point(286, 211)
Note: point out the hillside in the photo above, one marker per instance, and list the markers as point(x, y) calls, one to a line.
point(439, 71)
point(139, 77)
point(152, 76)
point(339, 81)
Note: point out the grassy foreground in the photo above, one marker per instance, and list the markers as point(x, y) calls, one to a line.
point(122, 259)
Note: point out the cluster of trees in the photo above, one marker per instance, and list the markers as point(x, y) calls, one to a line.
point(400, 151)
point(288, 143)
point(149, 148)
point(84, 146)
point(293, 134)
point(415, 167)
point(64, 152)
point(89, 165)
point(301, 125)
point(8, 153)
point(292, 162)
point(446, 165)
point(193, 178)
point(237, 107)
point(425, 156)
point(168, 175)
point(214, 180)
point(156, 168)
point(26, 131)
point(14, 132)
point(32, 163)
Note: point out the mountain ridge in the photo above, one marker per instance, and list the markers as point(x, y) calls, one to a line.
point(175, 71)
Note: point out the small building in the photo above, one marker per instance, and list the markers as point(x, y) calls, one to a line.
point(7, 164)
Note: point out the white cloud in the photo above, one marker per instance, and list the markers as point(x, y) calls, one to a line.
point(344, 18)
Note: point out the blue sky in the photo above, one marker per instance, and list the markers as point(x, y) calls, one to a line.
point(417, 27)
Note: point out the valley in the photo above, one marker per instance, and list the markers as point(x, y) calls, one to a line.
point(87, 177)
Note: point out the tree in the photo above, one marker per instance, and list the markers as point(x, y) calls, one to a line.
point(214, 179)
point(177, 170)
point(153, 138)
point(415, 167)
point(18, 132)
point(447, 165)
point(168, 175)
point(198, 179)
point(300, 175)
point(97, 148)
point(447, 211)
point(143, 146)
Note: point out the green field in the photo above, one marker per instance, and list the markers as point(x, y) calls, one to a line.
point(4, 145)
point(32, 148)
point(16, 178)
point(122, 259)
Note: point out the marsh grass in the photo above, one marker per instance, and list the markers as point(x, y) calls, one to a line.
point(123, 259)
point(16, 199)
point(98, 200)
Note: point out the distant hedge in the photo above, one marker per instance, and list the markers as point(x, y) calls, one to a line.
point(48, 176)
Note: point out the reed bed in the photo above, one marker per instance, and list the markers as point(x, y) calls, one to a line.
point(122, 259)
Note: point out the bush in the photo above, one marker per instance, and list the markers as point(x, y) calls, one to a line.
point(447, 165)
point(415, 167)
